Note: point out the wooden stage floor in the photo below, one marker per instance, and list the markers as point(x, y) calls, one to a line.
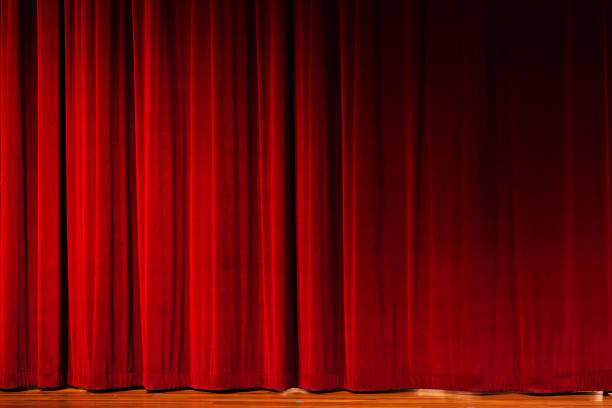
point(189, 398)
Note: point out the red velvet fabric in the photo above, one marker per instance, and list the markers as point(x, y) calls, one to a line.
point(355, 194)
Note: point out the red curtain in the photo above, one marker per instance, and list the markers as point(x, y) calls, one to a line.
point(355, 194)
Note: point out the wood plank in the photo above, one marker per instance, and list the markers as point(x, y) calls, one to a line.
point(190, 398)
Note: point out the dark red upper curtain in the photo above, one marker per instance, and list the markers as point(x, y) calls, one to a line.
point(359, 194)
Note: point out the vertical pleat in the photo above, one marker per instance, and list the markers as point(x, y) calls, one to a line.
point(317, 175)
point(214, 190)
point(104, 341)
point(457, 200)
point(160, 63)
point(18, 268)
point(50, 197)
point(32, 217)
point(356, 135)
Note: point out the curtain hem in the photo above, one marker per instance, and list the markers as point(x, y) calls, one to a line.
point(589, 381)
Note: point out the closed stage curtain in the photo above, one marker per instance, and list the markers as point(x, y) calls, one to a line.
point(330, 194)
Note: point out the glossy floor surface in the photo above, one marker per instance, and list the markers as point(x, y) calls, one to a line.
point(190, 398)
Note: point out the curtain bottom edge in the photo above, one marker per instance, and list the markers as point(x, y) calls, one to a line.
point(590, 381)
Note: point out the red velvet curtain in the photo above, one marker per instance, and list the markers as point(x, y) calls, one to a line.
point(355, 194)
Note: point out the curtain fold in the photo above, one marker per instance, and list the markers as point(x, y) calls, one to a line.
point(366, 195)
